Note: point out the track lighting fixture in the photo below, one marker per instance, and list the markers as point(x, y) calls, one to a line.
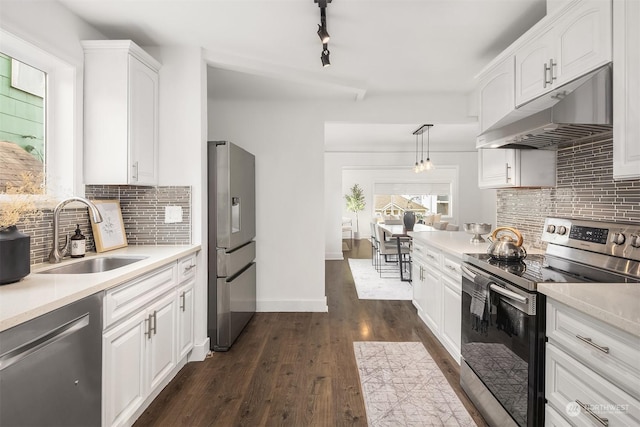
point(423, 165)
point(323, 33)
point(325, 56)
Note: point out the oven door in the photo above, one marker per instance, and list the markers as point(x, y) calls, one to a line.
point(503, 345)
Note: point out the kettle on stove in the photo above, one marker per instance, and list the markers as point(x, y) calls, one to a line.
point(506, 248)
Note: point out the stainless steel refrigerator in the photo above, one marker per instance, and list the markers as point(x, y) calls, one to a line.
point(232, 249)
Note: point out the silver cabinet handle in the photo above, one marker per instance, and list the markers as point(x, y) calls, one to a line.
point(544, 70)
point(182, 302)
point(551, 66)
point(134, 173)
point(508, 293)
point(189, 268)
point(154, 321)
point(592, 344)
point(603, 421)
point(147, 328)
point(450, 267)
point(508, 168)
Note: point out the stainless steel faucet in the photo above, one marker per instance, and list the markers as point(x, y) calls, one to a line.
point(56, 254)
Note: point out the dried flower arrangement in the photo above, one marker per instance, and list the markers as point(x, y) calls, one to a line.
point(22, 202)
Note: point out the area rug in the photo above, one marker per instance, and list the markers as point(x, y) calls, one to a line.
point(402, 386)
point(369, 285)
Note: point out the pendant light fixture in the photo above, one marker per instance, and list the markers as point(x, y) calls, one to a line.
point(323, 33)
point(423, 165)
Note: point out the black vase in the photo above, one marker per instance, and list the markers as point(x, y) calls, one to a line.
point(409, 220)
point(15, 257)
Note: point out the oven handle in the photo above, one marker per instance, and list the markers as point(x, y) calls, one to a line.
point(508, 293)
point(468, 272)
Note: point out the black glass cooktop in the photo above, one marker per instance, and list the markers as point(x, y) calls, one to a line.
point(526, 273)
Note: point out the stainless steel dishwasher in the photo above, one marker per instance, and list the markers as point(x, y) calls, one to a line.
point(51, 368)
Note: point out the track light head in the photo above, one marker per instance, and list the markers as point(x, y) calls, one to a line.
point(325, 56)
point(323, 34)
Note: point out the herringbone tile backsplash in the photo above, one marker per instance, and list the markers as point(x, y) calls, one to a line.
point(585, 189)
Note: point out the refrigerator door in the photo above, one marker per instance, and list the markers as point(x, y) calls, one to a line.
point(236, 306)
point(231, 262)
point(236, 195)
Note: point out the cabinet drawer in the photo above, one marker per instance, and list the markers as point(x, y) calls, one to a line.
point(125, 299)
point(418, 251)
point(569, 385)
point(186, 268)
point(451, 266)
point(433, 257)
point(620, 362)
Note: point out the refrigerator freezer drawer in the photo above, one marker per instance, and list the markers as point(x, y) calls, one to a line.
point(229, 263)
point(236, 306)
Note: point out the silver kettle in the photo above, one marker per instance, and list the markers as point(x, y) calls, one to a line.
point(505, 248)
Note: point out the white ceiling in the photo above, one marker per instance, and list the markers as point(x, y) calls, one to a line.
point(269, 49)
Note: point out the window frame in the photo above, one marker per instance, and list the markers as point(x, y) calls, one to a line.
point(63, 152)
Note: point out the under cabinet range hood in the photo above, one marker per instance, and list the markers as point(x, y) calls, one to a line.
point(580, 109)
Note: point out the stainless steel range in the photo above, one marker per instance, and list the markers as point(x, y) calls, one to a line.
point(503, 316)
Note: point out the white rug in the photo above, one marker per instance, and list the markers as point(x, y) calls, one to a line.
point(403, 386)
point(369, 285)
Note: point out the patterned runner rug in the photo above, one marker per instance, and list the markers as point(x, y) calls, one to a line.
point(403, 386)
point(369, 285)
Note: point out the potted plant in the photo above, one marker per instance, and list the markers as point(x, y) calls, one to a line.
point(355, 203)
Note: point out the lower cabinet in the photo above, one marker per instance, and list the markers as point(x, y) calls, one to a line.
point(437, 293)
point(145, 338)
point(591, 371)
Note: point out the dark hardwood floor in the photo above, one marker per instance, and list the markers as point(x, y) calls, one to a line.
point(297, 369)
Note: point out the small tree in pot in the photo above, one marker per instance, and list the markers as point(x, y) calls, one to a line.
point(355, 203)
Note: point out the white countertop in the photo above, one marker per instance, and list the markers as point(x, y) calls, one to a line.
point(38, 294)
point(617, 304)
point(457, 242)
point(454, 242)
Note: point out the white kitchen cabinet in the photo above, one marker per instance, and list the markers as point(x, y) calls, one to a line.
point(437, 285)
point(187, 280)
point(507, 167)
point(496, 94)
point(123, 369)
point(148, 334)
point(575, 41)
point(120, 113)
point(451, 315)
point(626, 89)
point(592, 368)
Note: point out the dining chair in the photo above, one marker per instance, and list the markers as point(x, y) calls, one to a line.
point(389, 250)
point(374, 245)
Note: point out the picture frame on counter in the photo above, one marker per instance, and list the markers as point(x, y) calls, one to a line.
point(108, 234)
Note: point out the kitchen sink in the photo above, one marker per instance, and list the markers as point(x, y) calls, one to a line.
point(94, 265)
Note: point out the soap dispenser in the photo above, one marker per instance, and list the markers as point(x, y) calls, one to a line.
point(78, 243)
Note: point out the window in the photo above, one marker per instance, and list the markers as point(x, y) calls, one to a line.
point(421, 198)
point(22, 122)
point(53, 134)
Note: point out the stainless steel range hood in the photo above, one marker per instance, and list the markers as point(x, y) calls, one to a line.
point(582, 108)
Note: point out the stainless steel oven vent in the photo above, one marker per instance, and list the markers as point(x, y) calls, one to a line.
point(583, 109)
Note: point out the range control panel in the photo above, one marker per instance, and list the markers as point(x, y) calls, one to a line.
point(617, 239)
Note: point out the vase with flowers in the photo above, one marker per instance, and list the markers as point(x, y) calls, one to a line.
point(15, 246)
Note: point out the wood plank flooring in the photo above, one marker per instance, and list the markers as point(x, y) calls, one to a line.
point(297, 369)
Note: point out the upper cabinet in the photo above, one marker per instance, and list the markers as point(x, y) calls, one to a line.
point(496, 94)
point(120, 113)
point(626, 89)
point(508, 168)
point(575, 41)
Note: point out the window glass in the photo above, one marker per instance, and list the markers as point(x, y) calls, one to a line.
point(22, 123)
point(386, 205)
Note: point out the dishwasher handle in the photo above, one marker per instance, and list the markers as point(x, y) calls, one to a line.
point(14, 356)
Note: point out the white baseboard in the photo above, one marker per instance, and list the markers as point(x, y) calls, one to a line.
point(200, 351)
point(270, 306)
point(333, 256)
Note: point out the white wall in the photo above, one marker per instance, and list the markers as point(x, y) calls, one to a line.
point(287, 142)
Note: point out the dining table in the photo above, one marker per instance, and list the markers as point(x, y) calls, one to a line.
point(399, 232)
